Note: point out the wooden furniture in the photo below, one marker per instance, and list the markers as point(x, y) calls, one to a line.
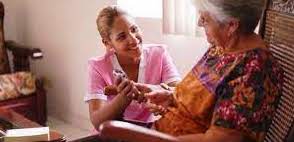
point(133, 133)
point(93, 138)
point(32, 106)
point(11, 119)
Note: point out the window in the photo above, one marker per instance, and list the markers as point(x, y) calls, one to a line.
point(142, 8)
point(180, 18)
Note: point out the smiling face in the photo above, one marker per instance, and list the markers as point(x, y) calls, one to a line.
point(216, 33)
point(125, 37)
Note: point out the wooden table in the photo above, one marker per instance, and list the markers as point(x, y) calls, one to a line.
point(18, 121)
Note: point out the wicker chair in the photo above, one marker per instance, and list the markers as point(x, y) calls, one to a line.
point(277, 29)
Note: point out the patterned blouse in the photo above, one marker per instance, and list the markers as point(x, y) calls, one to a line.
point(237, 90)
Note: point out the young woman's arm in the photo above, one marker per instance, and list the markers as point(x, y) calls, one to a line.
point(101, 111)
point(100, 108)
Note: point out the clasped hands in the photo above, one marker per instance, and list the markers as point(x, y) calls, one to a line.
point(156, 98)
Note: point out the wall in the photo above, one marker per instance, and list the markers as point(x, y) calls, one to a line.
point(184, 50)
point(65, 30)
point(13, 18)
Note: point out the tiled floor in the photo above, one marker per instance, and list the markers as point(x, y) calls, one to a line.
point(68, 130)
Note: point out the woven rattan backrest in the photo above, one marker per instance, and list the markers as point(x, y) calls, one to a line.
point(277, 29)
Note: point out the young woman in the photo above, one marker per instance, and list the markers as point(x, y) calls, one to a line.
point(148, 64)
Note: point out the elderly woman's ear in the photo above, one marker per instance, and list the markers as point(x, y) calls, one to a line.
point(234, 25)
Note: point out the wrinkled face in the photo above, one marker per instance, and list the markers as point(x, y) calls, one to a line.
point(125, 37)
point(216, 33)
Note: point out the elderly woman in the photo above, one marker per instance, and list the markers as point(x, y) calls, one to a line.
point(232, 92)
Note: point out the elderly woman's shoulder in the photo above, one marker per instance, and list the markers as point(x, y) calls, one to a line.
point(263, 53)
point(263, 58)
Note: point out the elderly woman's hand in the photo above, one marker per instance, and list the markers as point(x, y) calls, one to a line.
point(158, 101)
point(156, 109)
point(157, 98)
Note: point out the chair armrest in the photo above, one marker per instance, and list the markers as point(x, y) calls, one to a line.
point(21, 55)
point(132, 133)
point(23, 51)
point(90, 138)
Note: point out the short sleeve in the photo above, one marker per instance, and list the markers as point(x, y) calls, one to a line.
point(169, 70)
point(95, 85)
point(248, 96)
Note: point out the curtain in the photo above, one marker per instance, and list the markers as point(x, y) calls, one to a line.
point(179, 17)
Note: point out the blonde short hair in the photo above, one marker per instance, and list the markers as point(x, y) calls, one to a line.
point(106, 18)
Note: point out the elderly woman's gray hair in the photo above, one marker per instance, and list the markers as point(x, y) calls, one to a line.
point(248, 12)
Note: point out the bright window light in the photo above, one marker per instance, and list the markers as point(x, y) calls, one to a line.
point(142, 8)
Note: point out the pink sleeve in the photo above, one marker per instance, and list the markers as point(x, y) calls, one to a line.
point(169, 70)
point(96, 83)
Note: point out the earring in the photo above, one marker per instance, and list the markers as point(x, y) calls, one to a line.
point(230, 34)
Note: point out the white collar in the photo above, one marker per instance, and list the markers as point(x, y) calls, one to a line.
point(142, 64)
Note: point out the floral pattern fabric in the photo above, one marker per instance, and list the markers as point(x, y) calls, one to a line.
point(16, 84)
point(248, 93)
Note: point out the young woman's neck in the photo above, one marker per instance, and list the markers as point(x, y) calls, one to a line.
point(123, 60)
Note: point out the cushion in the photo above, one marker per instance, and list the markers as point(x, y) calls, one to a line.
point(15, 85)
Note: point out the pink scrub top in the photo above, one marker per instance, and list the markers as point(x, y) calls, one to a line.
point(156, 66)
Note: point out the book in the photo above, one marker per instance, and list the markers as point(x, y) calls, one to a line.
point(27, 135)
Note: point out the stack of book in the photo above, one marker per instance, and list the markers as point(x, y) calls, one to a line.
point(27, 135)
